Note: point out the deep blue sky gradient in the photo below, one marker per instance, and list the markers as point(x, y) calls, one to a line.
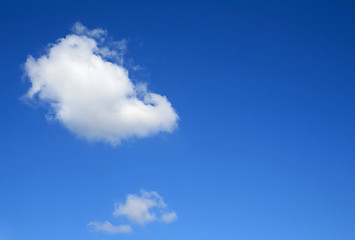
point(265, 148)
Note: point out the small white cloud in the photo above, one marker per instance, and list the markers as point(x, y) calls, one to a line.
point(93, 97)
point(80, 29)
point(109, 228)
point(144, 208)
point(168, 217)
point(139, 209)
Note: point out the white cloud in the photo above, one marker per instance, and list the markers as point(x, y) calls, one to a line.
point(144, 208)
point(80, 29)
point(92, 96)
point(168, 217)
point(109, 228)
point(138, 209)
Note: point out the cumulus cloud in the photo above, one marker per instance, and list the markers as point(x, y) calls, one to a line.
point(83, 81)
point(144, 208)
point(139, 209)
point(109, 228)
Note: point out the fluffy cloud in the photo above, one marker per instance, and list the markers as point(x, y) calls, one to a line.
point(137, 209)
point(92, 96)
point(144, 208)
point(109, 228)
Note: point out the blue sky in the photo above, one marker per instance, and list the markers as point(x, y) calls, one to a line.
point(263, 147)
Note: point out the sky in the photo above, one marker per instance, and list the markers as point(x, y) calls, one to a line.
point(177, 120)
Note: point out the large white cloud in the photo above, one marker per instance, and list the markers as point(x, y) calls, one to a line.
point(92, 96)
point(139, 209)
